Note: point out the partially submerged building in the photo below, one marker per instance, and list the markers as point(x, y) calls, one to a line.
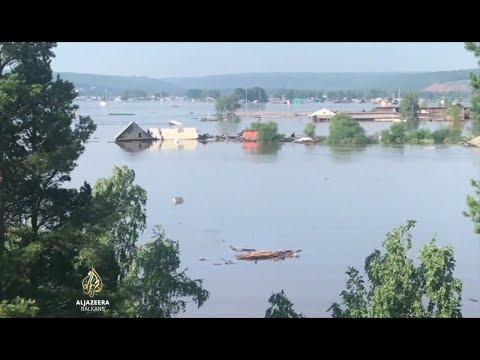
point(176, 133)
point(132, 132)
point(322, 114)
point(250, 135)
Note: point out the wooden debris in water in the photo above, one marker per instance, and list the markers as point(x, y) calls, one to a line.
point(266, 255)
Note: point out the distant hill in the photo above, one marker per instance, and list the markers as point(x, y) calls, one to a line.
point(92, 84)
point(451, 86)
point(323, 81)
point(116, 85)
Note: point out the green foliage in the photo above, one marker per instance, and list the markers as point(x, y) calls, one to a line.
point(239, 94)
point(134, 94)
point(267, 131)
point(128, 220)
point(474, 109)
point(419, 136)
point(50, 236)
point(396, 134)
point(439, 136)
point(345, 130)
point(399, 133)
point(281, 307)
point(18, 308)
point(253, 94)
point(155, 287)
point(227, 105)
point(195, 93)
point(473, 203)
point(398, 289)
point(310, 130)
point(410, 109)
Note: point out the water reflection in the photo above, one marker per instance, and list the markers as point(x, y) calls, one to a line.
point(261, 149)
point(343, 153)
point(174, 145)
point(139, 146)
point(134, 146)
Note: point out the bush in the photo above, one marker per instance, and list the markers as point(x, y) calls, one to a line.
point(310, 130)
point(267, 131)
point(396, 134)
point(440, 135)
point(345, 130)
point(420, 136)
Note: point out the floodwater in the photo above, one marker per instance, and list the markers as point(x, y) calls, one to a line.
point(334, 203)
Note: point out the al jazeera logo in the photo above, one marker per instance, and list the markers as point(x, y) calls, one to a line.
point(91, 286)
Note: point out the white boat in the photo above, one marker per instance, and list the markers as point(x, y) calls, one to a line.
point(175, 123)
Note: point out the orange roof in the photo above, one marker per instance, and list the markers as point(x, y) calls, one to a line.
point(250, 135)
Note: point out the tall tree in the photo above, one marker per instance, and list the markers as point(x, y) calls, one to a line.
point(39, 146)
point(474, 109)
point(194, 93)
point(410, 109)
point(281, 307)
point(239, 94)
point(154, 286)
point(124, 217)
point(226, 106)
point(396, 288)
point(473, 203)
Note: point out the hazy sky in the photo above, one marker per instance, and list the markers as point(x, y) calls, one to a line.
point(161, 60)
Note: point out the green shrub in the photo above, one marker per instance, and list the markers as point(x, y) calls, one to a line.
point(345, 130)
point(419, 136)
point(267, 131)
point(310, 130)
point(396, 134)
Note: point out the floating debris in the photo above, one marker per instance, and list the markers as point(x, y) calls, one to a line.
point(217, 264)
point(236, 249)
point(252, 254)
point(229, 262)
point(203, 259)
point(474, 300)
point(177, 200)
point(266, 255)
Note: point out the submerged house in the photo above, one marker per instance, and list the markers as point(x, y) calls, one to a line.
point(322, 114)
point(133, 132)
point(176, 133)
point(250, 135)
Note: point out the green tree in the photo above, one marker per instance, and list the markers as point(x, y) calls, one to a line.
point(257, 93)
point(267, 131)
point(127, 220)
point(239, 94)
point(310, 130)
point(51, 236)
point(18, 308)
point(398, 289)
point(396, 134)
point(345, 130)
point(226, 106)
point(134, 93)
point(154, 286)
point(473, 203)
point(474, 109)
point(281, 307)
point(39, 145)
point(410, 110)
point(194, 93)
